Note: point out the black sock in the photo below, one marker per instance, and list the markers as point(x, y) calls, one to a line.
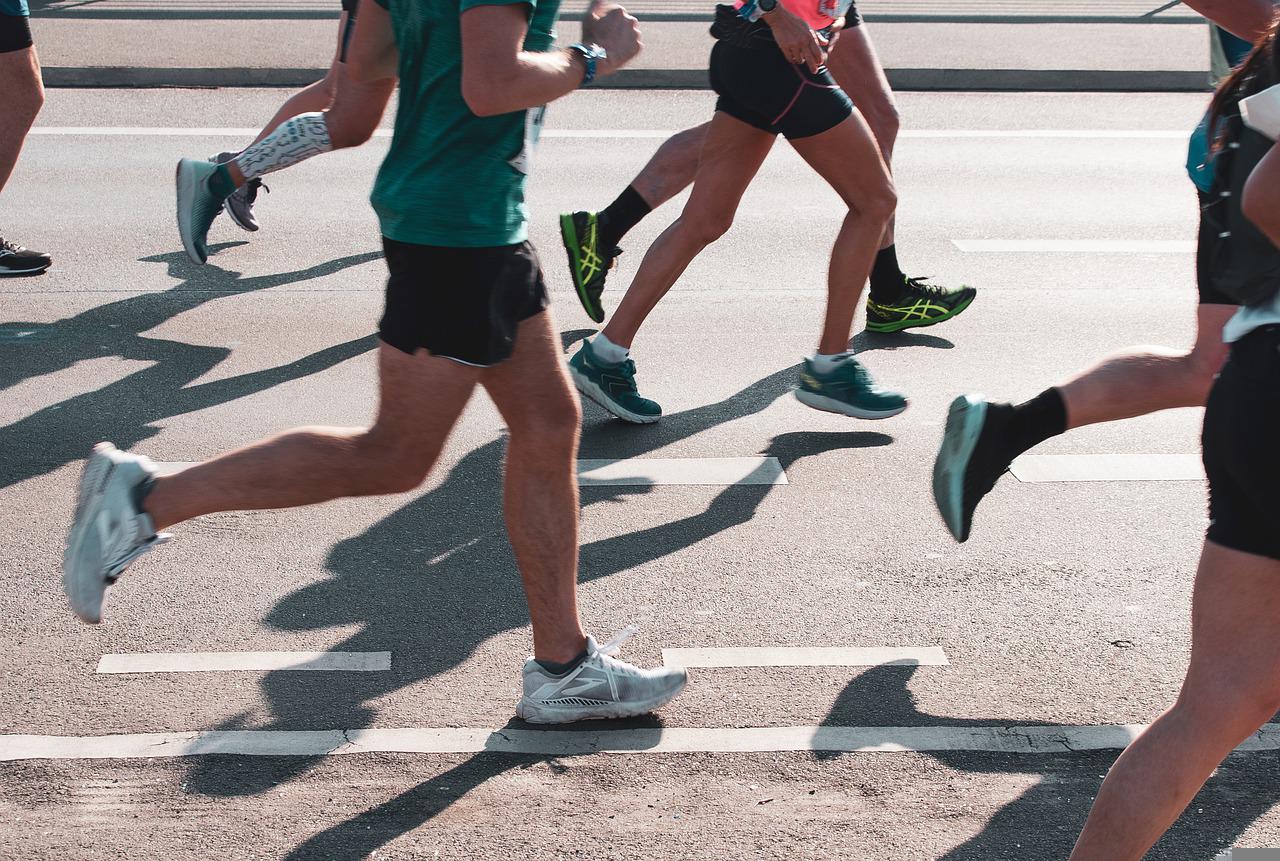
point(617, 219)
point(886, 276)
point(560, 669)
point(1032, 423)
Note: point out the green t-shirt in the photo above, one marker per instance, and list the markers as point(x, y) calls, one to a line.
point(452, 178)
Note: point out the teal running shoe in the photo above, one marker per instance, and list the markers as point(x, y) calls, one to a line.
point(198, 206)
point(848, 390)
point(612, 387)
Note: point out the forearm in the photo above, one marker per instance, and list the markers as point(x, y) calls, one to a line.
point(534, 79)
point(1248, 19)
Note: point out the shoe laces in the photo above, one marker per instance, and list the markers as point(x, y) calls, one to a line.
point(251, 192)
point(6, 245)
point(620, 639)
point(922, 285)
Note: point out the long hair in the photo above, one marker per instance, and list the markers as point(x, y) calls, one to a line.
point(1260, 70)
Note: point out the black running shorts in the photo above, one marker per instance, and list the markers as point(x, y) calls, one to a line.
point(463, 304)
point(15, 27)
point(762, 88)
point(852, 18)
point(348, 29)
point(1241, 445)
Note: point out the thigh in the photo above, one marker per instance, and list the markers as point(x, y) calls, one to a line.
point(849, 159)
point(732, 154)
point(857, 69)
point(533, 386)
point(420, 399)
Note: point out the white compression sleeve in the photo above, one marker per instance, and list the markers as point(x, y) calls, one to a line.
point(295, 140)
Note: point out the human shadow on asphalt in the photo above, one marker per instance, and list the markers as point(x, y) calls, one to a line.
point(1044, 821)
point(436, 579)
point(126, 412)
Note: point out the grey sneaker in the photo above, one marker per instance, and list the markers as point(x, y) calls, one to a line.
point(601, 687)
point(109, 530)
point(240, 204)
point(197, 206)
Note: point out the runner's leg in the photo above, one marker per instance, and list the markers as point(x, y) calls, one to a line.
point(537, 401)
point(1232, 687)
point(23, 97)
point(421, 398)
point(731, 157)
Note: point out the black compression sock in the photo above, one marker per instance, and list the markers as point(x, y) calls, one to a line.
point(1032, 423)
point(560, 669)
point(886, 276)
point(617, 219)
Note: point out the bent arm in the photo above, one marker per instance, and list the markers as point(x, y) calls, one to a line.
point(1248, 19)
point(1261, 202)
point(498, 75)
point(372, 55)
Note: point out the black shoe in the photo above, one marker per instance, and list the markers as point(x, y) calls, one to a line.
point(972, 459)
point(918, 304)
point(589, 262)
point(16, 260)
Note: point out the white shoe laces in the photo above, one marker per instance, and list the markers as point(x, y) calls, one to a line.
point(619, 640)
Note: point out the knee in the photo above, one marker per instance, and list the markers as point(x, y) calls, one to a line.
point(389, 464)
point(879, 205)
point(344, 134)
point(1234, 710)
point(706, 227)
point(27, 100)
point(550, 430)
point(885, 122)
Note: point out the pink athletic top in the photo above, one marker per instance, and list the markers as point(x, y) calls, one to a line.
point(818, 14)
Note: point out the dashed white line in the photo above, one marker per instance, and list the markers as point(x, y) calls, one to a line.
point(777, 656)
point(853, 739)
point(1033, 468)
point(218, 662)
point(1075, 246)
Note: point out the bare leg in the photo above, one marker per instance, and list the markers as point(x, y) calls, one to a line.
point(23, 97)
point(672, 167)
point(534, 395)
point(856, 67)
point(421, 398)
point(848, 159)
point(730, 159)
point(316, 97)
point(1232, 687)
point(357, 109)
point(1144, 380)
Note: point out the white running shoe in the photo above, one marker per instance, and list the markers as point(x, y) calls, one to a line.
point(109, 530)
point(601, 687)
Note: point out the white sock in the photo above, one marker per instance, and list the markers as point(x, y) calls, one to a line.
point(607, 351)
point(296, 139)
point(825, 363)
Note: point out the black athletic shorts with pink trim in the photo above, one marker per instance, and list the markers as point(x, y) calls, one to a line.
point(762, 88)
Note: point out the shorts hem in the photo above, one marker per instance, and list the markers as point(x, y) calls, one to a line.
point(1242, 545)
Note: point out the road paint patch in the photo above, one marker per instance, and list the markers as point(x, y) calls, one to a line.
point(222, 662)
point(646, 471)
point(1035, 468)
point(852, 739)
point(778, 656)
point(643, 134)
point(1075, 246)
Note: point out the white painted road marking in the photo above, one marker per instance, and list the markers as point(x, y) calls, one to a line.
point(1032, 468)
point(218, 662)
point(853, 739)
point(929, 656)
point(1075, 246)
point(646, 471)
point(648, 134)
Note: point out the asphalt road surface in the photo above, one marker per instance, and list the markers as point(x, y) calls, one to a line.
point(1066, 611)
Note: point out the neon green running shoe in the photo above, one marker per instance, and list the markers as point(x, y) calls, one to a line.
point(921, 304)
point(848, 390)
point(588, 266)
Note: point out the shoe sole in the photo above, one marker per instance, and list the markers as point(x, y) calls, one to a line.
point(965, 419)
point(831, 405)
point(890, 328)
point(537, 714)
point(597, 396)
point(569, 236)
point(19, 273)
point(185, 181)
point(97, 471)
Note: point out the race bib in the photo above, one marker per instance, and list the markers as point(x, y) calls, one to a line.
point(533, 117)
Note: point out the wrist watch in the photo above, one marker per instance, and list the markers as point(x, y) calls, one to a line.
point(591, 55)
